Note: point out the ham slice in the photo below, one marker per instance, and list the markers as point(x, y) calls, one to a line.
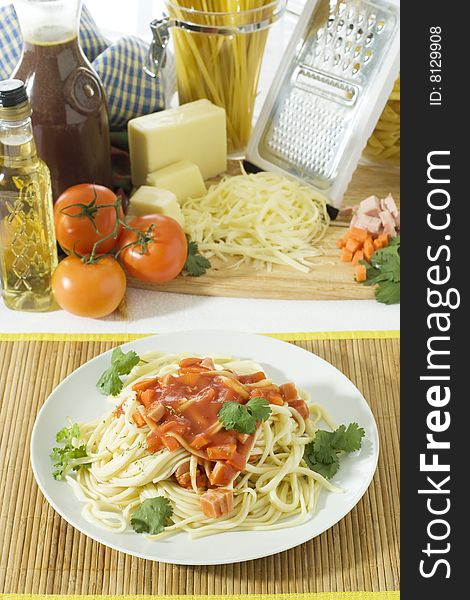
point(377, 217)
point(390, 205)
point(388, 223)
point(217, 503)
point(372, 224)
point(370, 206)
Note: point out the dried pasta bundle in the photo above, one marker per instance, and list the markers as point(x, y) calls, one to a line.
point(223, 68)
point(384, 143)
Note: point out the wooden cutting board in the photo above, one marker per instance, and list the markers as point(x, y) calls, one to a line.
point(329, 279)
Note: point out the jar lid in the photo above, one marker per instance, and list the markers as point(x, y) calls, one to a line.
point(12, 93)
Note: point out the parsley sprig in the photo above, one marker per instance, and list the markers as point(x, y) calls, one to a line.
point(384, 271)
point(322, 455)
point(196, 264)
point(63, 458)
point(243, 417)
point(110, 383)
point(152, 515)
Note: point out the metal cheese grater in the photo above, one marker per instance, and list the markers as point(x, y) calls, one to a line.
point(329, 92)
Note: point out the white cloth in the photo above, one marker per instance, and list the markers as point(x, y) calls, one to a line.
point(160, 312)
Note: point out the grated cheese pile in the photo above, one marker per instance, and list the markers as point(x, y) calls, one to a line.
point(263, 218)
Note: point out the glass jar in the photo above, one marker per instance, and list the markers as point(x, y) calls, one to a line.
point(28, 251)
point(70, 116)
point(219, 50)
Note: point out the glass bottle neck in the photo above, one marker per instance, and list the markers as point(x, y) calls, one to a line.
point(17, 142)
point(47, 22)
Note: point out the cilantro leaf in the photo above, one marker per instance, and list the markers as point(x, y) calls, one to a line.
point(348, 439)
point(66, 434)
point(63, 457)
point(327, 470)
point(322, 446)
point(124, 363)
point(259, 408)
point(152, 515)
point(388, 294)
point(322, 455)
point(243, 417)
point(110, 382)
point(384, 272)
point(196, 264)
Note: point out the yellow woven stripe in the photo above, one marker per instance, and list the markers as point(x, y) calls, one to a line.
point(129, 337)
point(320, 596)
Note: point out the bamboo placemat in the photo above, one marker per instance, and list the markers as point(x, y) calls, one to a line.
point(40, 553)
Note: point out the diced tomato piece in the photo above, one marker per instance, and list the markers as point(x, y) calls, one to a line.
point(138, 419)
point(289, 391)
point(189, 362)
point(275, 398)
point(148, 397)
point(301, 407)
point(217, 503)
point(154, 442)
point(252, 377)
point(170, 442)
point(145, 384)
point(221, 452)
point(189, 378)
point(222, 474)
point(237, 461)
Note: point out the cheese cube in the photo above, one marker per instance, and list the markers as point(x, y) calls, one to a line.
point(184, 179)
point(149, 200)
point(195, 131)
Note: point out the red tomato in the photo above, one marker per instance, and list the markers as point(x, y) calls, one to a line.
point(77, 233)
point(89, 290)
point(166, 252)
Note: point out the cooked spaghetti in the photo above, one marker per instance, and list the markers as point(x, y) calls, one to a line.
point(164, 437)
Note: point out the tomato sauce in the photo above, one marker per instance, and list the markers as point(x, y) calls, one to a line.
point(182, 410)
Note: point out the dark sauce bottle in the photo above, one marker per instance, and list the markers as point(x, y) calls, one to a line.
point(70, 116)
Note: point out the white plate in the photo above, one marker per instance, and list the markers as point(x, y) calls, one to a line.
point(78, 399)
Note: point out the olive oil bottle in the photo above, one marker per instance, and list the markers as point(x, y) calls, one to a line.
point(28, 251)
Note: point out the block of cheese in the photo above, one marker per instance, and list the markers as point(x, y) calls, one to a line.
point(148, 200)
point(195, 131)
point(183, 178)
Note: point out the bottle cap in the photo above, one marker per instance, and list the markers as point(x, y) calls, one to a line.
point(12, 93)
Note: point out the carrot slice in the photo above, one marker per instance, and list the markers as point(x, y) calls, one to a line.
point(357, 257)
point(353, 245)
point(143, 385)
point(222, 474)
point(346, 255)
point(378, 244)
point(361, 273)
point(170, 443)
point(384, 238)
point(368, 249)
point(148, 397)
point(359, 234)
point(224, 451)
point(138, 419)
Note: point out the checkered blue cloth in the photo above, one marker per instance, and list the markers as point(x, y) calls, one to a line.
point(130, 92)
